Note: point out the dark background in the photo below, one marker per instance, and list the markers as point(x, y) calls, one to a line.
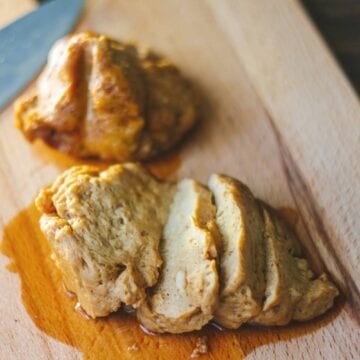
point(339, 24)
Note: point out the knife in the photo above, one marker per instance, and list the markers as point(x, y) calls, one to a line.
point(25, 43)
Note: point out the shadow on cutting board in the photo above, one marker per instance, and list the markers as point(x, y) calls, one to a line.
point(118, 336)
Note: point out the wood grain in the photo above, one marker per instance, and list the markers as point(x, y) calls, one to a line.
point(280, 116)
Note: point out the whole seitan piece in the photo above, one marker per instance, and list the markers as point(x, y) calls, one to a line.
point(102, 98)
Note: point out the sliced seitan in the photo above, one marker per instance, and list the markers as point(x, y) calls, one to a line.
point(290, 291)
point(104, 228)
point(121, 236)
point(242, 260)
point(185, 297)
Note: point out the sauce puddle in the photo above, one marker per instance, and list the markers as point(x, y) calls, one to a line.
point(61, 160)
point(164, 167)
point(119, 335)
point(290, 215)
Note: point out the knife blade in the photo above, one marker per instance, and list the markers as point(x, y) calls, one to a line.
point(25, 43)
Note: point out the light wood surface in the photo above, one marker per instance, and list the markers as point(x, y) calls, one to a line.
point(10, 10)
point(280, 116)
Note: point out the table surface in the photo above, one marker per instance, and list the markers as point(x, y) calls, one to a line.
point(281, 117)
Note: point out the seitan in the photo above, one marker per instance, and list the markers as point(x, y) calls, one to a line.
point(291, 292)
point(102, 98)
point(104, 228)
point(185, 297)
point(181, 254)
point(241, 252)
point(318, 298)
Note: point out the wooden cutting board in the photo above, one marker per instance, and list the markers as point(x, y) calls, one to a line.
point(281, 116)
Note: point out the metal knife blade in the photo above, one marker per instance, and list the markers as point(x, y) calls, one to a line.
point(25, 43)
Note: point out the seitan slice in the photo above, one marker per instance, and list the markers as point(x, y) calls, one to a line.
point(318, 298)
point(186, 295)
point(284, 282)
point(242, 282)
point(290, 291)
point(104, 228)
